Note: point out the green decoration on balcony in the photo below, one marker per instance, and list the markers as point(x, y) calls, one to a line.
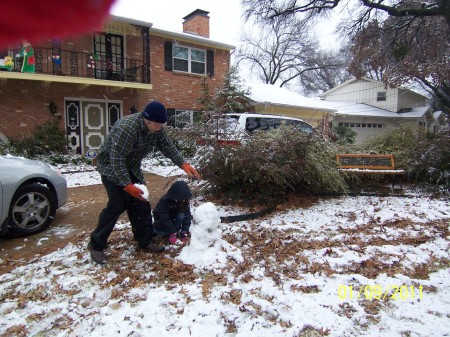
point(28, 65)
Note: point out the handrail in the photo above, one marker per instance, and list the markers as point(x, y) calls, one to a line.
point(86, 65)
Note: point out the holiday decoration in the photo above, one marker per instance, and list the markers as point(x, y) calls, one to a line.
point(57, 59)
point(28, 65)
point(7, 63)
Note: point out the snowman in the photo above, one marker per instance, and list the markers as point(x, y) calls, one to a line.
point(206, 248)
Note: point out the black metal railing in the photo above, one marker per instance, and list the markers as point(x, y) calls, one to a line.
point(87, 65)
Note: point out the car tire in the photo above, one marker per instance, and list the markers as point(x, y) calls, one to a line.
point(32, 209)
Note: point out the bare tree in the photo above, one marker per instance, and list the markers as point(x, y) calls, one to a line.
point(319, 80)
point(411, 9)
point(281, 51)
point(400, 52)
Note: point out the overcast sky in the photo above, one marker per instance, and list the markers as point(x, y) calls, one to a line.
point(225, 17)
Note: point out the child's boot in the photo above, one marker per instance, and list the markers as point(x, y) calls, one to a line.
point(184, 236)
point(173, 238)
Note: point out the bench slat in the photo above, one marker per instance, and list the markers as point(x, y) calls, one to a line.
point(365, 161)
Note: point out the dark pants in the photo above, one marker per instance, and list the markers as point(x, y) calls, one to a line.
point(170, 227)
point(119, 201)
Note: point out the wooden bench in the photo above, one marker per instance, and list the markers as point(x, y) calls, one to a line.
point(369, 164)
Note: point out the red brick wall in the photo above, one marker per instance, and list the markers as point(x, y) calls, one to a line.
point(24, 103)
point(24, 106)
point(197, 24)
point(182, 90)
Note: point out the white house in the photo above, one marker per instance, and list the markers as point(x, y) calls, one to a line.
point(371, 109)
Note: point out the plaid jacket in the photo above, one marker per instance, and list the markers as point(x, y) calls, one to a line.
point(128, 142)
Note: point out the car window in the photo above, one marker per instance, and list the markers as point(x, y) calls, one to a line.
point(224, 124)
point(263, 123)
point(253, 124)
point(302, 126)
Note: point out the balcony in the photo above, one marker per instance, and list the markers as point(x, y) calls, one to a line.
point(82, 68)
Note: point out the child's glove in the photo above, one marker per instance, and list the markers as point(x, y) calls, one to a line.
point(190, 171)
point(134, 192)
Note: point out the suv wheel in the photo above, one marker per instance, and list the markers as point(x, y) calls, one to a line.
point(32, 209)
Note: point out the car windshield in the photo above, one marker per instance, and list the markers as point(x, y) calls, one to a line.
point(264, 123)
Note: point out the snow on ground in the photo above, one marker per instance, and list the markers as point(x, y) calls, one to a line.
point(344, 266)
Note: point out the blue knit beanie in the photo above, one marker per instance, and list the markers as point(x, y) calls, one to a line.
point(155, 112)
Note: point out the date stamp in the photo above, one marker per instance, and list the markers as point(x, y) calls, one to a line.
point(378, 292)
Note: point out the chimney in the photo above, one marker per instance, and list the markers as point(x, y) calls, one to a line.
point(197, 23)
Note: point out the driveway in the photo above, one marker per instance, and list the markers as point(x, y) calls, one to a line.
point(74, 222)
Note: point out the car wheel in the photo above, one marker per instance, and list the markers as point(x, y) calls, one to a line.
point(32, 209)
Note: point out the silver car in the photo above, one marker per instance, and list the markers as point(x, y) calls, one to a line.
point(30, 193)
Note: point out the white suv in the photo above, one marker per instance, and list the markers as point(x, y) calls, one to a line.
point(229, 128)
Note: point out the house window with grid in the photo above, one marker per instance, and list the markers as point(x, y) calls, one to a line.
point(381, 96)
point(189, 60)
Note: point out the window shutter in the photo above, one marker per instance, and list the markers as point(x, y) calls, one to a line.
point(168, 55)
point(210, 62)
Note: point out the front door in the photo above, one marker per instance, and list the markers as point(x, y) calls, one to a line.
point(89, 121)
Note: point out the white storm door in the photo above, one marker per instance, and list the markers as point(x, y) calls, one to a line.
point(94, 124)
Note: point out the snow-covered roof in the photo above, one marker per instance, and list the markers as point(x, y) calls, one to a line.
point(174, 34)
point(191, 37)
point(437, 114)
point(415, 112)
point(273, 95)
point(361, 109)
point(130, 21)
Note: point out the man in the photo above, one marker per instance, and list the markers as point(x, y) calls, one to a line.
point(119, 164)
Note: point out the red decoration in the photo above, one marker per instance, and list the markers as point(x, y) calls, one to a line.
point(35, 21)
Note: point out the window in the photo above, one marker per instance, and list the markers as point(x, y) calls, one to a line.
point(109, 56)
point(381, 96)
point(181, 118)
point(189, 60)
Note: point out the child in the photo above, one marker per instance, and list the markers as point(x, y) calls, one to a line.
point(172, 214)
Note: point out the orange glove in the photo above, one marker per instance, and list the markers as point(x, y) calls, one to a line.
point(190, 171)
point(134, 192)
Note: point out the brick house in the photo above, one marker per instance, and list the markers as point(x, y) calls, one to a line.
point(89, 82)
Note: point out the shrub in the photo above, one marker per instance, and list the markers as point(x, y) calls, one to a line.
point(58, 159)
point(426, 157)
point(271, 165)
point(398, 142)
point(185, 139)
point(344, 135)
point(429, 159)
point(47, 138)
